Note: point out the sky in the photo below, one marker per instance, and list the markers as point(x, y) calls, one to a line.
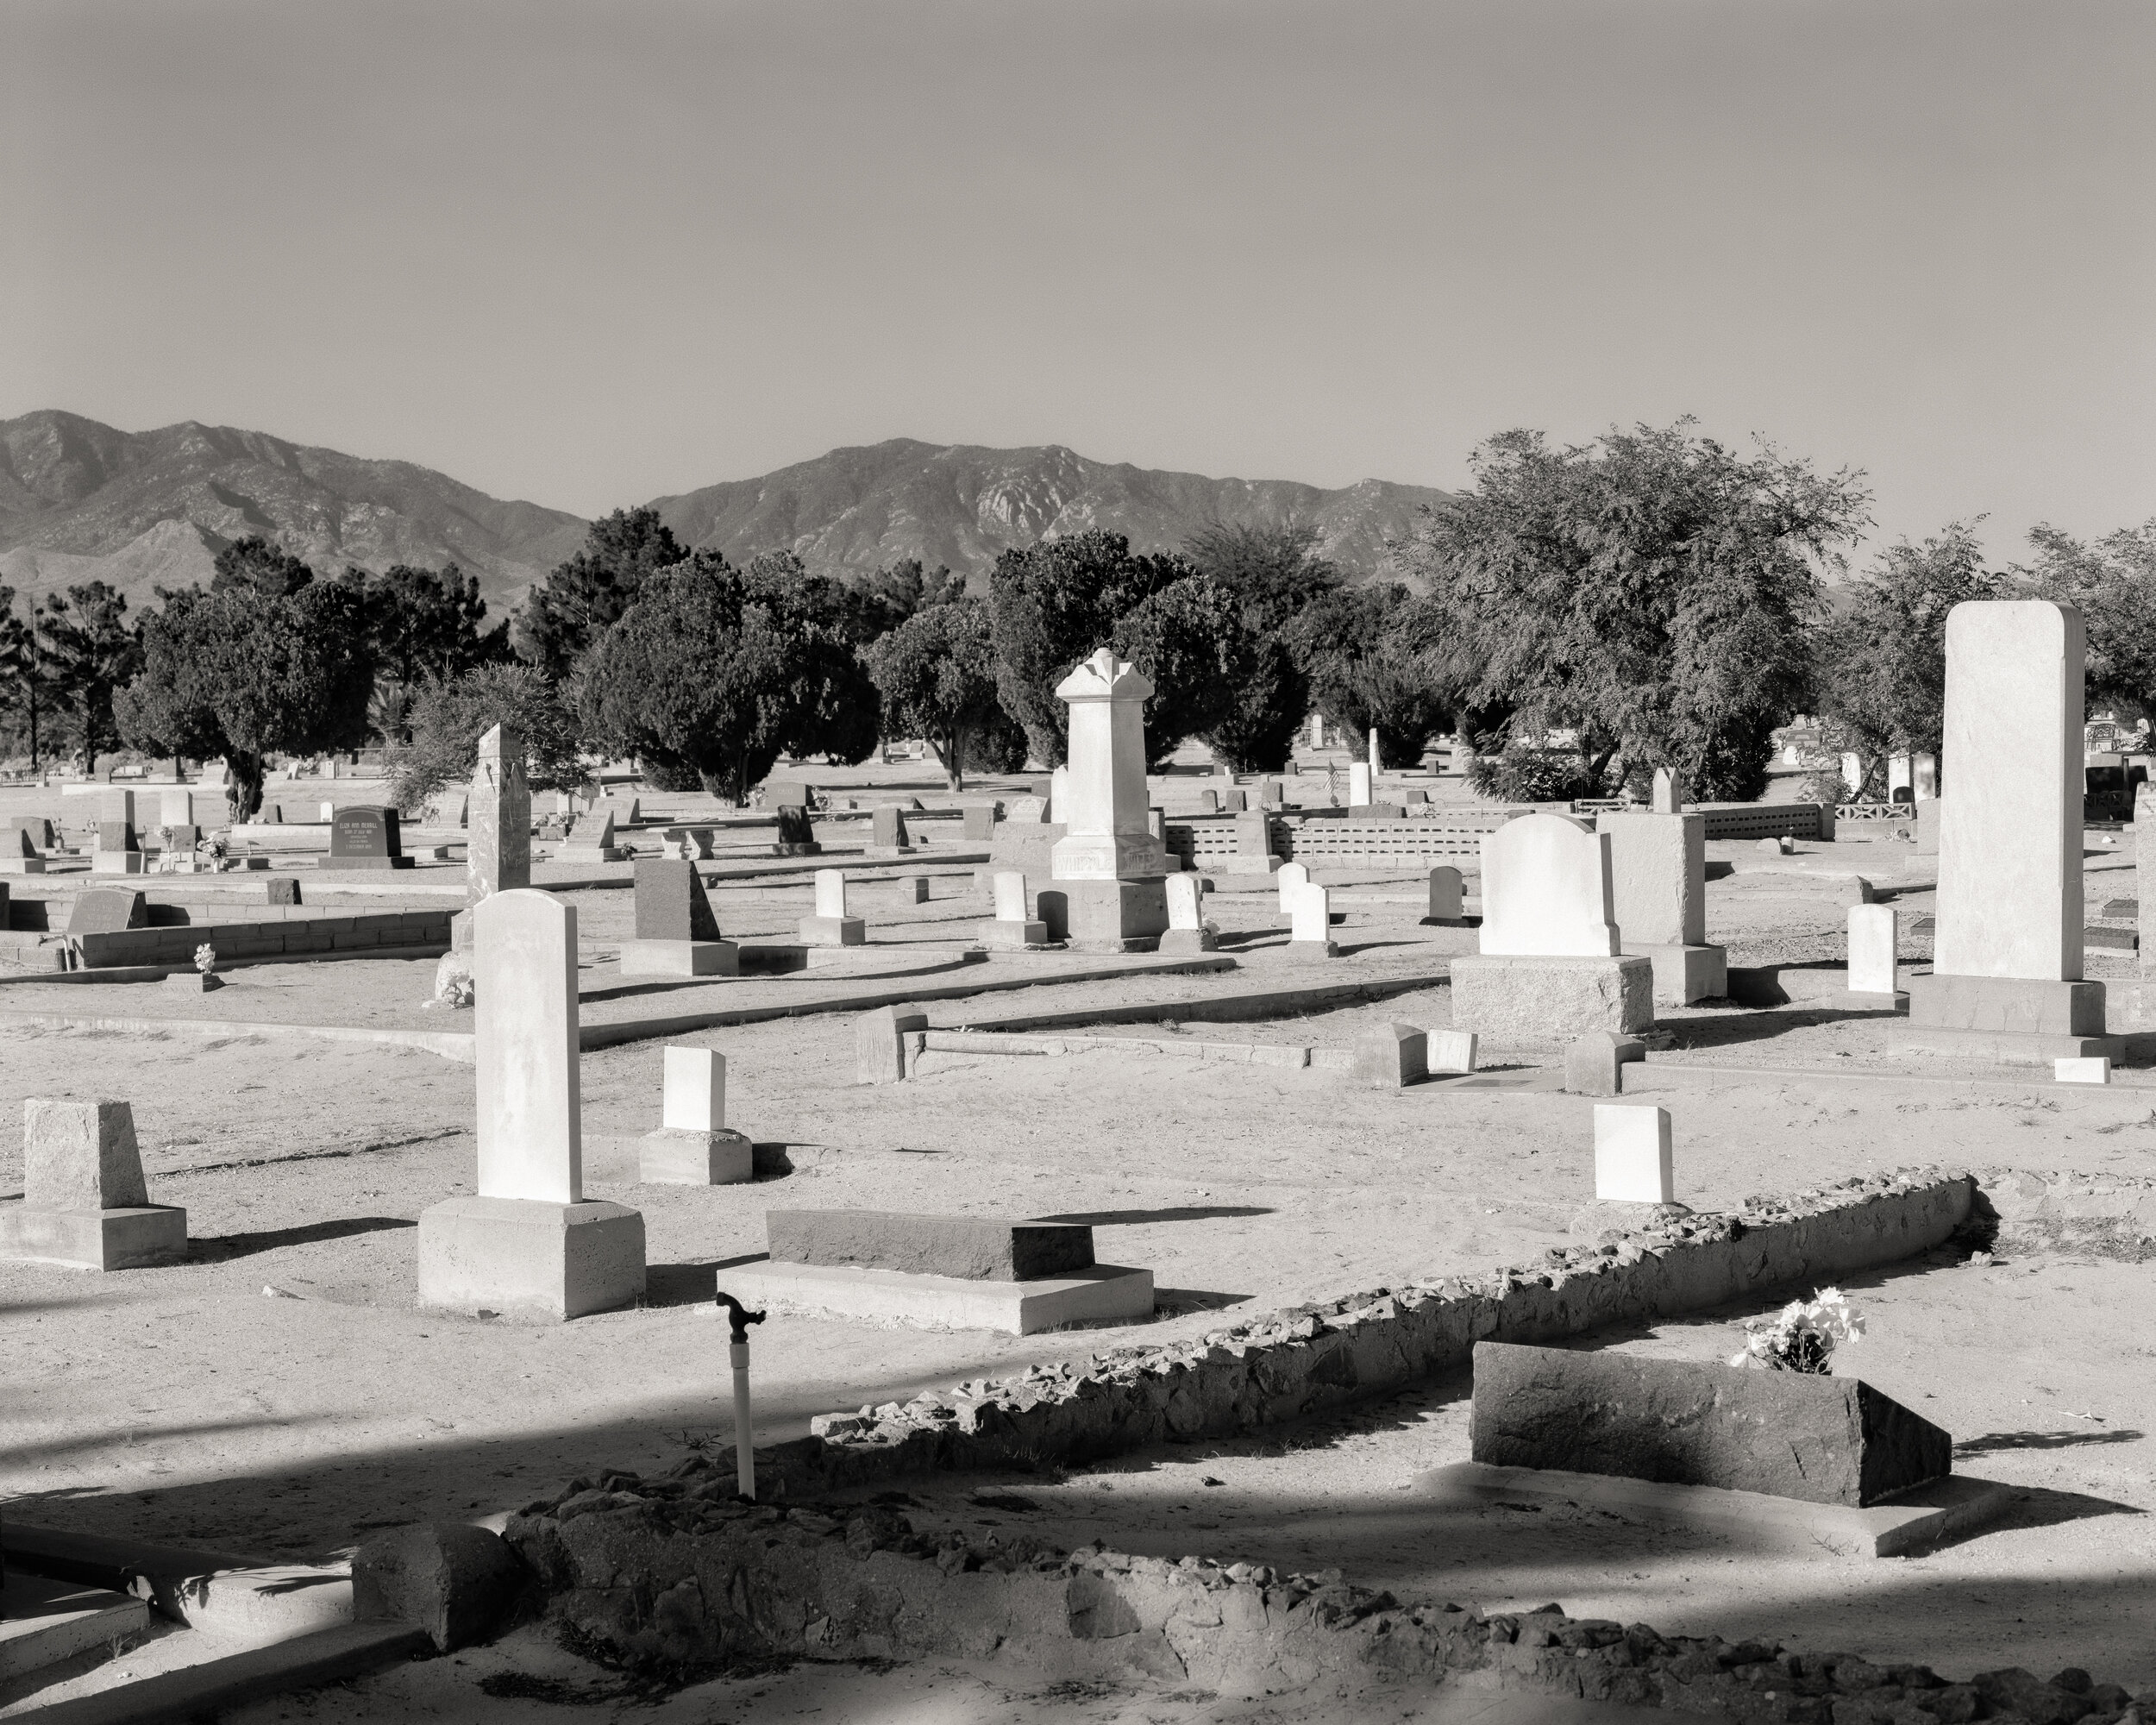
point(589, 253)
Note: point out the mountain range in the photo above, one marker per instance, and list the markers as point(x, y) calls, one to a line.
point(82, 501)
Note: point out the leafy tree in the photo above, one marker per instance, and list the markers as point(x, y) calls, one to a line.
point(1054, 603)
point(720, 669)
point(575, 605)
point(1273, 567)
point(2113, 584)
point(26, 680)
point(883, 600)
point(254, 565)
point(424, 625)
point(1880, 661)
point(449, 716)
point(937, 673)
point(242, 671)
point(90, 651)
point(1651, 591)
point(1375, 659)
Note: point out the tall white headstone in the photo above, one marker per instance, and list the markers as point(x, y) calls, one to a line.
point(1632, 1154)
point(830, 893)
point(1186, 901)
point(1293, 878)
point(530, 1105)
point(692, 1096)
point(1361, 789)
point(1109, 864)
point(1377, 764)
point(1010, 890)
point(1546, 890)
point(1312, 910)
point(1873, 939)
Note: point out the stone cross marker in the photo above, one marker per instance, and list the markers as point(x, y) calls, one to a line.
point(2009, 836)
point(830, 893)
point(530, 1102)
point(1546, 890)
point(498, 850)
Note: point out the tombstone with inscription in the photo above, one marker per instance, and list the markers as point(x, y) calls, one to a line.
point(108, 910)
point(978, 825)
point(830, 925)
point(1014, 925)
point(84, 1203)
point(1657, 863)
point(1551, 960)
point(1187, 930)
point(1446, 901)
point(676, 933)
point(1108, 865)
point(529, 1244)
point(1310, 931)
point(176, 807)
point(117, 850)
point(365, 835)
point(25, 856)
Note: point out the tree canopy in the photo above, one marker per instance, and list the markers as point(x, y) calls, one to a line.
point(936, 675)
point(1651, 591)
point(449, 716)
point(89, 652)
point(585, 595)
point(2113, 584)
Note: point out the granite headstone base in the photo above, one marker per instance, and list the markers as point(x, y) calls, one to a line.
point(674, 1157)
point(833, 930)
point(530, 1259)
point(2015, 1019)
point(1107, 916)
point(681, 958)
point(1504, 995)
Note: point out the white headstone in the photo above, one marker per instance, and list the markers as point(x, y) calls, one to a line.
point(176, 807)
point(1058, 795)
point(328, 812)
point(530, 1105)
point(1010, 887)
point(830, 893)
point(1657, 876)
point(1377, 764)
point(1446, 895)
point(1669, 792)
point(1293, 878)
point(1359, 794)
point(1104, 803)
point(1873, 936)
point(2089, 1069)
point(2009, 836)
point(1312, 909)
point(1632, 1154)
point(1186, 901)
point(693, 1096)
point(1547, 891)
point(1451, 1051)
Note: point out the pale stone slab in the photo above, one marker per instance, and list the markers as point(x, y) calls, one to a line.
point(1632, 1154)
point(2090, 1069)
point(1546, 890)
point(1292, 879)
point(692, 1089)
point(1106, 1293)
point(1446, 896)
point(530, 1104)
point(1311, 912)
point(94, 1239)
point(529, 1259)
point(1186, 901)
point(81, 1155)
point(681, 958)
point(1874, 935)
point(1105, 804)
point(1010, 894)
point(1509, 994)
point(830, 893)
point(1360, 785)
point(1452, 1052)
point(1657, 877)
point(2009, 841)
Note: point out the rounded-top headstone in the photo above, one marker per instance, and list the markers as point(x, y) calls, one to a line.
point(1546, 890)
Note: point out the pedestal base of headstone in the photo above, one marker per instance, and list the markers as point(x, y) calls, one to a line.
point(115, 863)
point(1313, 949)
point(810, 848)
point(94, 1239)
point(362, 864)
point(831, 931)
point(1105, 1294)
point(21, 865)
point(588, 855)
point(1683, 974)
point(1189, 940)
point(2020, 1020)
point(671, 1157)
point(1239, 864)
point(1507, 995)
point(889, 852)
point(681, 958)
point(1109, 916)
point(996, 933)
point(528, 1258)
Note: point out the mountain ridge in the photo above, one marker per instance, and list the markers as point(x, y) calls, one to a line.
point(81, 500)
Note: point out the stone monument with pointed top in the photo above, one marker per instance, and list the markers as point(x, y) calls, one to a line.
point(1109, 866)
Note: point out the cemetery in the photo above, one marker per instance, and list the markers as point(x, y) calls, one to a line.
point(1192, 1248)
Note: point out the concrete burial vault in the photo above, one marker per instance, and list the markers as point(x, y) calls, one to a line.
point(968, 1272)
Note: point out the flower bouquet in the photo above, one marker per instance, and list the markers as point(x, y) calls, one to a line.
point(1804, 1336)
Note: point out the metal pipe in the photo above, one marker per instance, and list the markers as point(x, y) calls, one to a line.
point(740, 1318)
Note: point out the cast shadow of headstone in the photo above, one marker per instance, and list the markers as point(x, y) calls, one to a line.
point(1195, 1212)
point(221, 1248)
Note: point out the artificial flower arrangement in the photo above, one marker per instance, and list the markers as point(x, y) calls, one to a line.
point(1803, 1337)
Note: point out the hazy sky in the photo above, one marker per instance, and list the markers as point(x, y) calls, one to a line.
point(588, 254)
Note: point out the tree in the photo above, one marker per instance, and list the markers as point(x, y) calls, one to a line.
point(1652, 591)
point(883, 600)
point(585, 596)
point(1375, 659)
point(1880, 661)
point(89, 652)
point(2113, 584)
point(718, 670)
point(1189, 641)
point(1272, 567)
point(422, 625)
point(256, 566)
point(1054, 603)
point(449, 716)
point(241, 672)
point(25, 678)
point(936, 674)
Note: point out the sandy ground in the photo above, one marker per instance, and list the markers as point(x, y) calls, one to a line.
point(190, 1404)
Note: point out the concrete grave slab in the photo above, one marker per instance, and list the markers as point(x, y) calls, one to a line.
point(1632, 1154)
point(1106, 1293)
point(108, 910)
point(969, 1248)
point(1550, 996)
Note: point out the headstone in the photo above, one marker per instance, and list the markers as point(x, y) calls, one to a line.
point(1447, 899)
point(1595, 1062)
point(84, 1203)
point(1209, 801)
point(1186, 901)
point(1377, 764)
point(1268, 793)
point(1010, 895)
point(529, 1244)
point(882, 1053)
point(1452, 1052)
point(497, 851)
point(1029, 812)
point(796, 836)
point(979, 825)
point(2083, 1069)
point(1014, 926)
point(912, 889)
point(283, 891)
point(1234, 801)
point(693, 1146)
point(887, 826)
point(671, 903)
point(1669, 792)
point(1873, 939)
point(1292, 879)
point(830, 925)
point(107, 910)
point(1109, 866)
point(365, 835)
point(326, 811)
point(693, 1090)
point(972, 1248)
point(1360, 794)
point(1546, 890)
point(1927, 816)
point(1059, 794)
point(1805, 1435)
point(1632, 1154)
point(1390, 1056)
point(789, 794)
point(115, 806)
point(1311, 928)
point(116, 835)
point(36, 831)
point(176, 807)
point(2006, 974)
point(182, 838)
point(830, 892)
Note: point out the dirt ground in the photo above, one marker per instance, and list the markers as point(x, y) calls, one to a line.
point(280, 1393)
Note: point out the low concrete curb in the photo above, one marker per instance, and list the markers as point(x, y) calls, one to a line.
point(1290, 1365)
point(450, 1044)
point(1263, 1003)
point(206, 1691)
